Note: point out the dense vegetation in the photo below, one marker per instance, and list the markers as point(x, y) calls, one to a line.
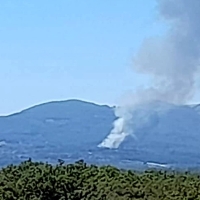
point(79, 181)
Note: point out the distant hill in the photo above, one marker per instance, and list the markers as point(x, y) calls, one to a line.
point(72, 129)
point(166, 134)
point(73, 120)
point(53, 129)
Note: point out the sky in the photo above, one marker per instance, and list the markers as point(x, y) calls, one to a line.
point(66, 49)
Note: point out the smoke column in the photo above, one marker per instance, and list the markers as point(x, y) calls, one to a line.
point(172, 61)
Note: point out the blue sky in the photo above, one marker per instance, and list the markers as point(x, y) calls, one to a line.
point(55, 50)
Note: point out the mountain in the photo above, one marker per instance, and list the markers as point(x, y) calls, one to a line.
point(165, 135)
point(52, 129)
point(77, 121)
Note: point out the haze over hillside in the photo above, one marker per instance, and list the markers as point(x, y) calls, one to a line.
point(77, 121)
point(71, 130)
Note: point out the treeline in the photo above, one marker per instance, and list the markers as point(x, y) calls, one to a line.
point(79, 181)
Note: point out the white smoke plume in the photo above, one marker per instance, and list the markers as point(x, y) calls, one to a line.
point(171, 60)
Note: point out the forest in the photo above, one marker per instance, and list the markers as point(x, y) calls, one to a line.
point(81, 181)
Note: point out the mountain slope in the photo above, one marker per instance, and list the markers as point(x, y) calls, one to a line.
point(75, 121)
point(169, 136)
point(72, 130)
point(53, 130)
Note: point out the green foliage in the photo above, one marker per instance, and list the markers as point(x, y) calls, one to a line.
point(79, 181)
